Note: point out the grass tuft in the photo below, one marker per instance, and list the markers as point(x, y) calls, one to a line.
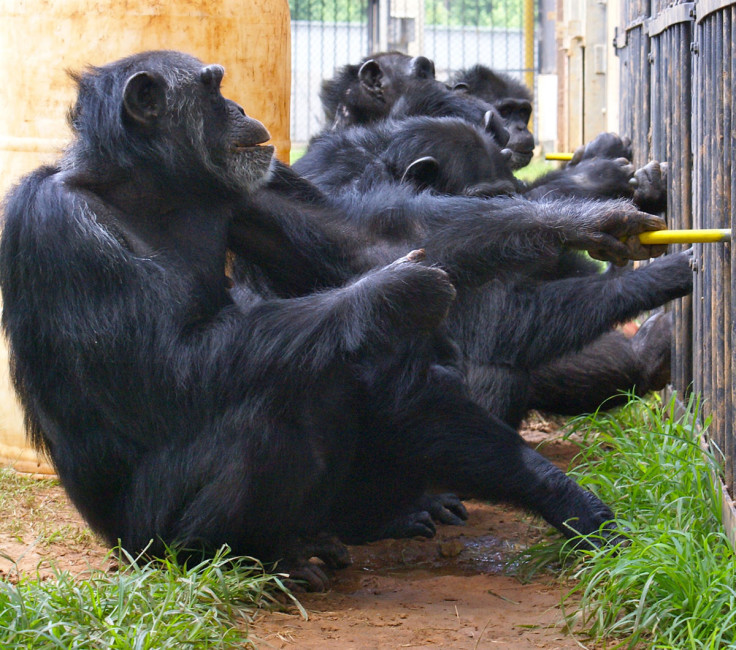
point(141, 606)
point(674, 584)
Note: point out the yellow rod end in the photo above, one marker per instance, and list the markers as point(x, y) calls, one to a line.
point(558, 155)
point(705, 236)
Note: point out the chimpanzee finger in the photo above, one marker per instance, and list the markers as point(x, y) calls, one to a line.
point(577, 156)
point(446, 509)
point(635, 223)
point(608, 248)
point(639, 251)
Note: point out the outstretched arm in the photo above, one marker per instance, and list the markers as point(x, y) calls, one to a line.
point(475, 240)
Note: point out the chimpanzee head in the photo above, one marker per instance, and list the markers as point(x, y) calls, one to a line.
point(162, 113)
point(450, 156)
point(364, 93)
point(512, 101)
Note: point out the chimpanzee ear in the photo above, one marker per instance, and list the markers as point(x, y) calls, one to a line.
point(422, 67)
point(144, 97)
point(422, 173)
point(370, 76)
point(495, 127)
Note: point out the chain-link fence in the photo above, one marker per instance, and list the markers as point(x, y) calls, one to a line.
point(327, 34)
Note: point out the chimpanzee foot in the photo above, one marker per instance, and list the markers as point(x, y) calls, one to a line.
point(330, 550)
point(653, 347)
point(441, 508)
point(595, 528)
point(413, 524)
point(304, 575)
point(444, 508)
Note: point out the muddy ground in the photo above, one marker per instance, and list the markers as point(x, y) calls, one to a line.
point(455, 591)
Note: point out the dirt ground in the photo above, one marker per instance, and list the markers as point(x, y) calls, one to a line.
point(455, 591)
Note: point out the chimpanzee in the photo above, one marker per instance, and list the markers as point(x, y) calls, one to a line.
point(396, 86)
point(365, 93)
point(447, 155)
point(452, 156)
point(511, 99)
point(598, 169)
point(325, 402)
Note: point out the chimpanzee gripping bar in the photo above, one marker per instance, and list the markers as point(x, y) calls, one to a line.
point(704, 236)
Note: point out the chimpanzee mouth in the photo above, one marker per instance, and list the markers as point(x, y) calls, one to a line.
point(243, 148)
point(521, 159)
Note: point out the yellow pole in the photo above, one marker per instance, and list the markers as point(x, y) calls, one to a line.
point(529, 47)
point(558, 155)
point(704, 236)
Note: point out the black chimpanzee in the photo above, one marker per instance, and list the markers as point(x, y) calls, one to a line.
point(394, 85)
point(451, 156)
point(366, 92)
point(325, 402)
point(448, 155)
point(598, 169)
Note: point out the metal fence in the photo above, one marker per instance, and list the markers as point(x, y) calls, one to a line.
point(327, 34)
point(678, 86)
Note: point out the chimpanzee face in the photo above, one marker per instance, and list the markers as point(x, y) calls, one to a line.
point(186, 113)
point(515, 114)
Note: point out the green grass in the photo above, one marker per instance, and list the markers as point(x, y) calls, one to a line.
point(295, 153)
point(536, 168)
point(138, 607)
point(674, 585)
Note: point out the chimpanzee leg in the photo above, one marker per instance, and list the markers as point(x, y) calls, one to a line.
point(442, 438)
point(599, 375)
point(473, 453)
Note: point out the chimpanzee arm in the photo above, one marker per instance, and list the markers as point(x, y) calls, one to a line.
point(602, 373)
point(399, 300)
point(526, 326)
point(477, 239)
point(293, 245)
point(594, 178)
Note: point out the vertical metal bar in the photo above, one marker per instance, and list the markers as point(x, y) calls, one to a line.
point(529, 43)
point(726, 45)
point(731, 89)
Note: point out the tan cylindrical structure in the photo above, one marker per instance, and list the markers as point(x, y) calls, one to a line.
point(40, 40)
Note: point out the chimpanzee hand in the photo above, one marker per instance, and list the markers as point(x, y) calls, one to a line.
point(606, 145)
point(610, 232)
point(417, 296)
point(650, 187)
point(601, 178)
point(652, 345)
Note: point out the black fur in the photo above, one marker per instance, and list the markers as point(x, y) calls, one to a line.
point(355, 159)
point(447, 155)
point(321, 396)
point(366, 92)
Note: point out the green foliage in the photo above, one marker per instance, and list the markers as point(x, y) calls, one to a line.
point(329, 10)
point(674, 584)
point(139, 607)
point(481, 13)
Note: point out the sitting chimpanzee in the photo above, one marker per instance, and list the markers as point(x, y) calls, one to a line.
point(596, 177)
point(447, 155)
point(366, 92)
point(323, 405)
point(451, 156)
point(394, 85)
point(431, 154)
